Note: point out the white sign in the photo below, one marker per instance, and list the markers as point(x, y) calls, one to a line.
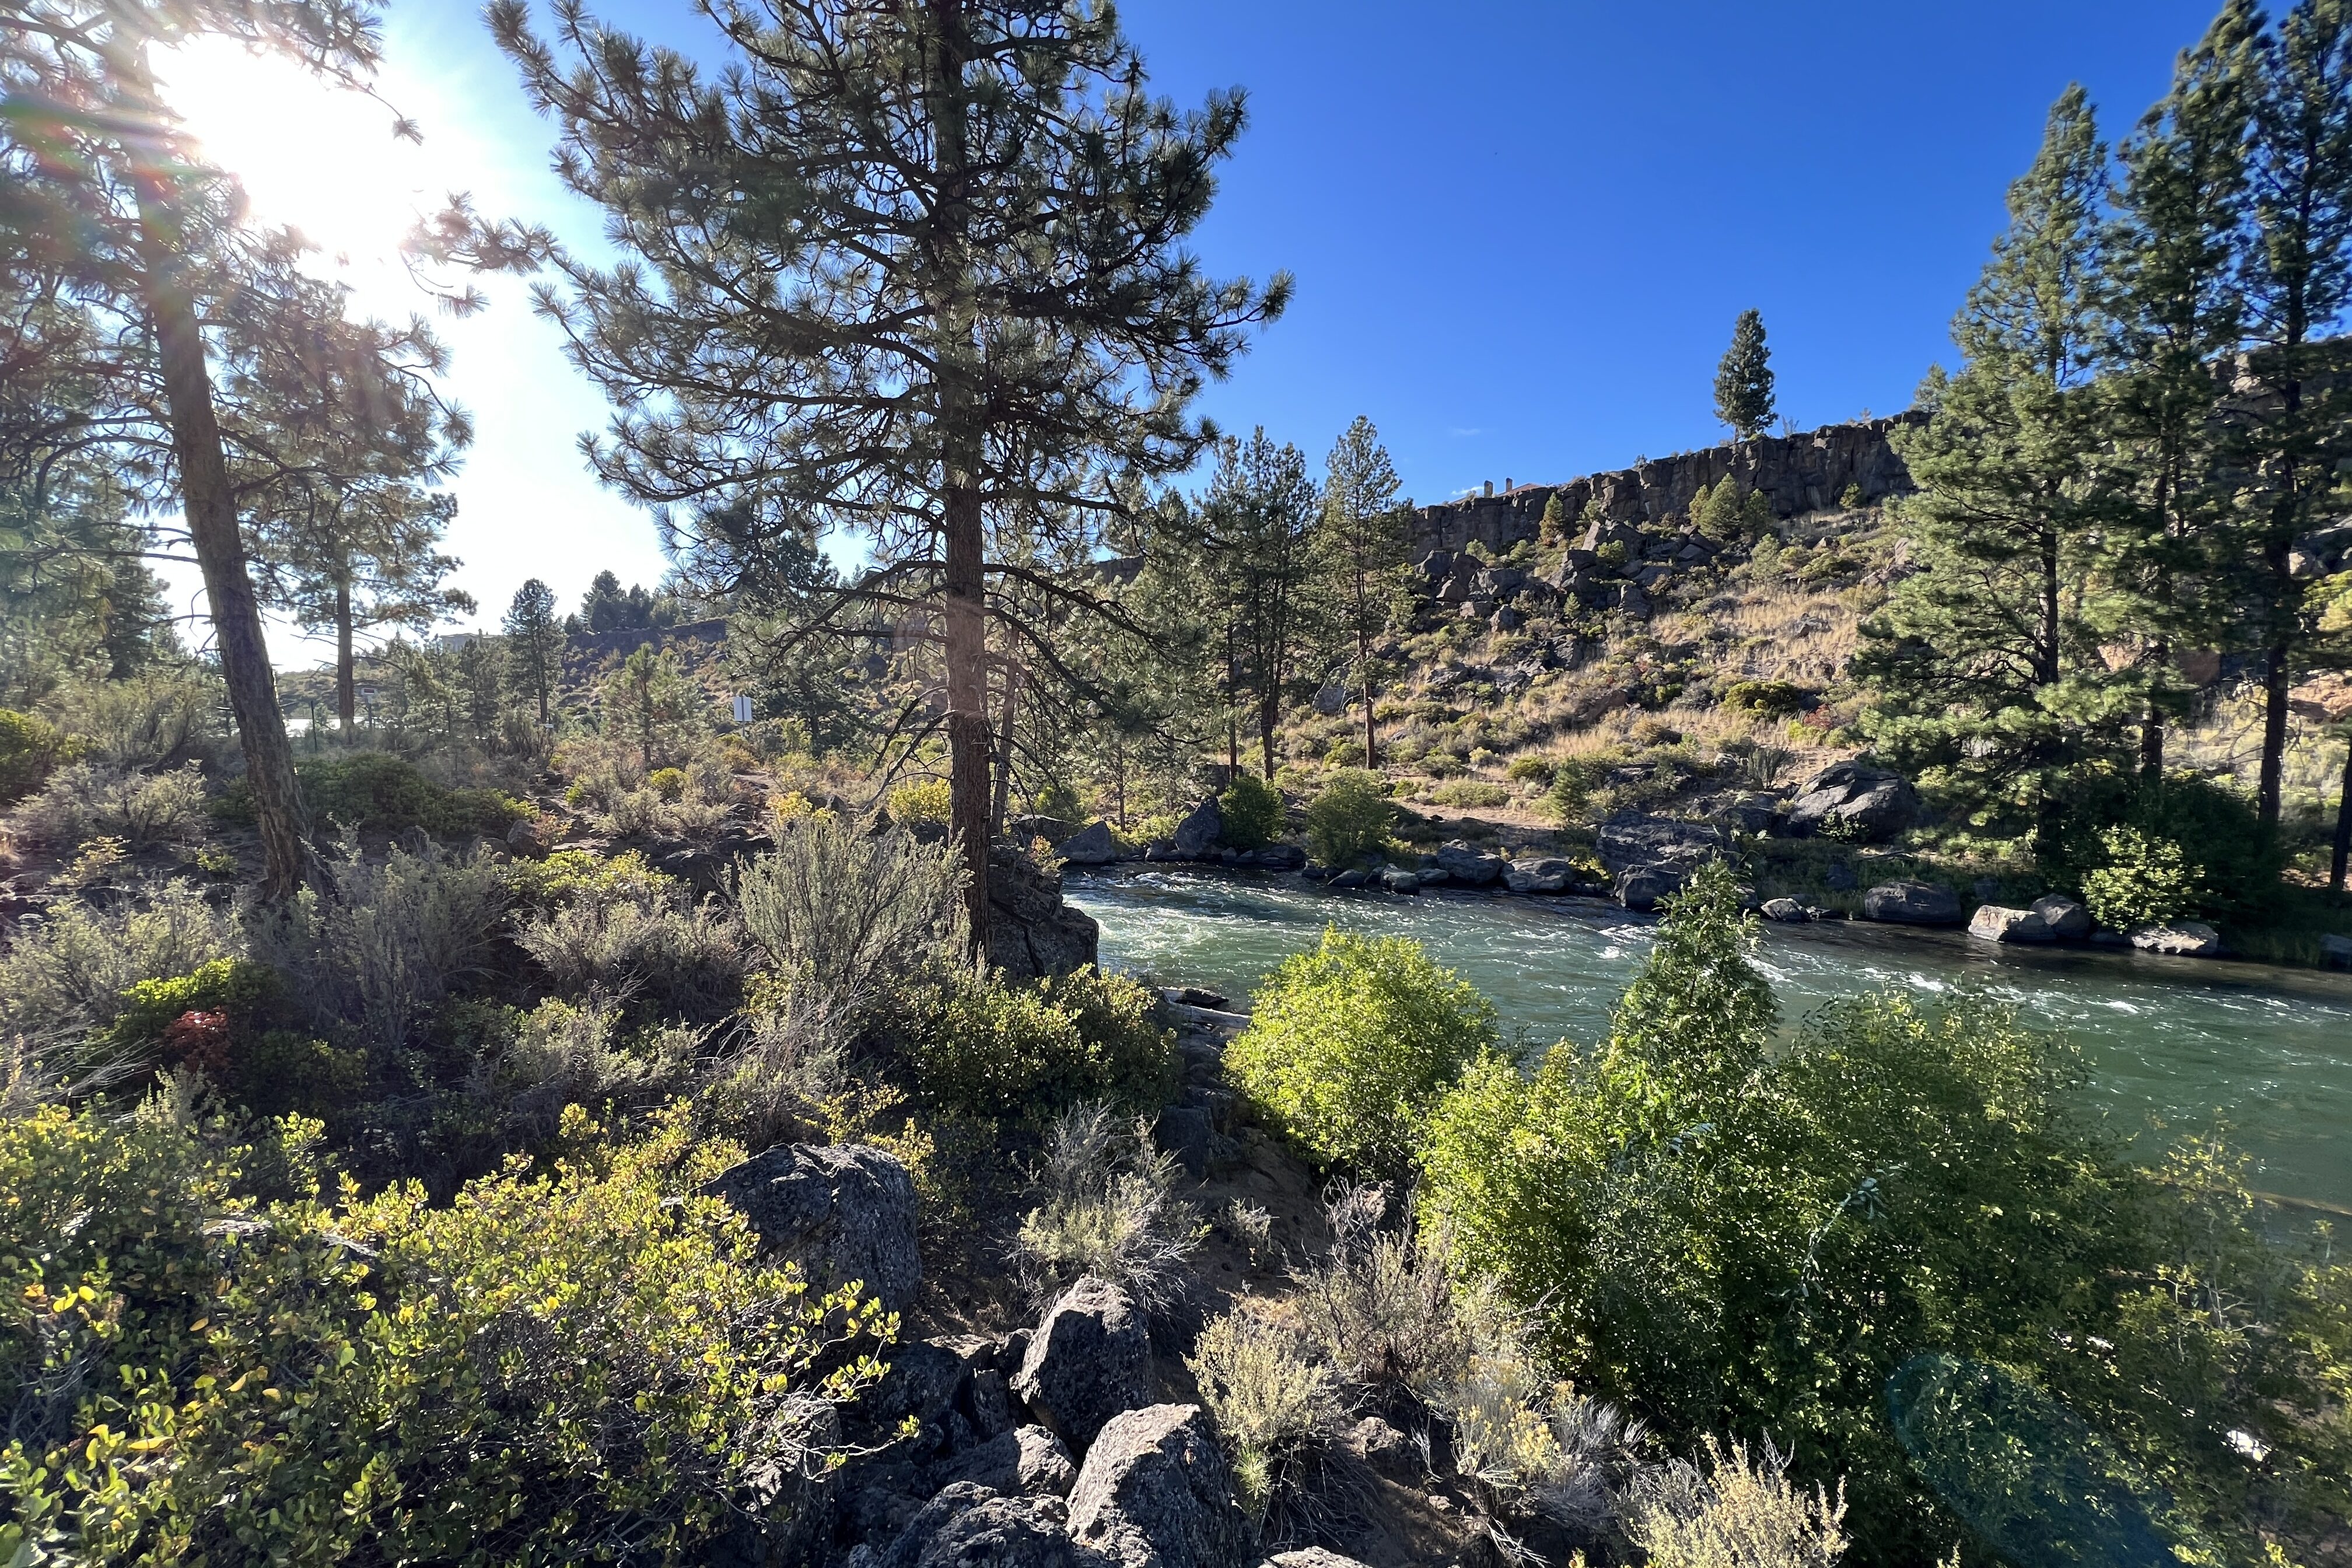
point(742, 710)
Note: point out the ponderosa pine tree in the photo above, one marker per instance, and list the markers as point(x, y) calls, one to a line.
point(2296, 277)
point(1365, 535)
point(106, 209)
point(1743, 380)
point(534, 644)
point(2178, 312)
point(1988, 667)
point(914, 272)
point(1259, 518)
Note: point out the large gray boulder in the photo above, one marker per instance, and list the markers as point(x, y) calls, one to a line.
point(1027, 1460)
point(1471, 867)
point(1089, 845)
point(1089, 1359)
point(1645, 887)
point(1631, 839)
point(1847, 800)
point(2067, 919)
point(2181, 938)
point(1154, 1492)
point(1544, 874)
point(1992, 922)
point(1200, 830)
point(970, 1526)
point(1909, 903)
point(1034, 932)
point(841, 1211)
point(1787, 911)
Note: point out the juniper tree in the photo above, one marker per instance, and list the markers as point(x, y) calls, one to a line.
point(1743, 380)
point(2178, 312)
point(2295, 278)
point(1365, 534)
point(105, 208)
point(1988, 667)
point(914, 272)
point(534, 644)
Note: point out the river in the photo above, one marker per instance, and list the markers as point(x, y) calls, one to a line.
point(2263, 1055)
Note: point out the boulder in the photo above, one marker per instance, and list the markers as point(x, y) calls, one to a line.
point(1471, 867)
point(1630, 838)
point(1548, 874)
point(1644, 887)
point(1311, 1557)
point(1331, 698)
point(970, 1526)
point(1154, 1492)
point(1355, 878)
point(1033, 931)
point(1028, 1459)
point(1282, 857)
point(2181, 939)
point(1089, 845)
point(1909, 903)
point(1993, 923)
point(1401, 881)
point(1089, 1359)
point(2067, 919)
point(1185, 1132)
point(2336, 951)
point(1203, 827)
point(843, 1212)
point(527, 837)
point(1850, 801)
point(1389, 1452)
point(1787, 911)
point(1750, 811)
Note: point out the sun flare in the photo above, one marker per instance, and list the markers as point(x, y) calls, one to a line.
point(319, 158)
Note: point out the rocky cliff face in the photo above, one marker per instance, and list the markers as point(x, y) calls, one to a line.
point(1796, 474)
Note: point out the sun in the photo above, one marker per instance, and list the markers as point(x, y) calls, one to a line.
point(319, 158)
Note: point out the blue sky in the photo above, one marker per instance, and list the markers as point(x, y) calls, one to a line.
point(1520, 231)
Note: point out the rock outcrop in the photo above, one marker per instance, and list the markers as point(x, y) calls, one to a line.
point(972, 1526)
point(1909, 903)
point(1203, 827)
point(2067, 919)
point(1089, 845)
point(1088, 1360)
point(2181, 938)
point(1155, 1492)
point(1992, 922)
point(1849, 801)
point(843, 1212)
point(1032, 931)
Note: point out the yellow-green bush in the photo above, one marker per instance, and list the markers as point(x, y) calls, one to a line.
point(558, 1361)
point(379, 791)
point(1350, 820)
point(1029, 1051)
point(1349, 1045)
point(29, 748)
point(1252, 811)
point(923, 803)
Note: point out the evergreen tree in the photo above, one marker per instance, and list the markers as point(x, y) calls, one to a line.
point(1989, 670)
point(650, 703)
point(2296, 276)
point(938, 251)
point(2179, 313)
point(1365, 535)
point(1743, 380)
point(109, 211)
point(1260, 516)
point(534, 644)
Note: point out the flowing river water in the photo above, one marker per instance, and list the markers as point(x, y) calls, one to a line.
point(2171, 1045)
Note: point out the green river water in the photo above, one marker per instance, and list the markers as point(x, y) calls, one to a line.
point(2262, 1054)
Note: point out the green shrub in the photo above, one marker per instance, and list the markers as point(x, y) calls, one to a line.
point(667, 782)
point(237, 986)
point(382, 792)
point(1028, 1052)
point(555, 1362)
point(159, 717)
point(1469, 794)
point(1737, 1512)
point(1277, 1408)
point(1769, 699)
point(1747, 1235)
point(1525, 769)
point(75, 969)
point(2146, 881)
point(1109, 1209)
point(1252, 811)
point(1575, 781)
point(1349, 1045)
point(29, 748)
point(1612, 553)
point(849, 917)
point(1351, 819)
point(923, 803)
point(82, 800)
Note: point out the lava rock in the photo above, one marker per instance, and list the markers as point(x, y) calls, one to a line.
point(1033, 931)
point(1909, 903)
point(1992, 922)
point(527, 837)
point(1088, 1360)
point(1201, 828)
point(1090, 846)
point(1401, 881)
point(1311, 1557)
point(1471, 867)
point(2181, 938)
point(1787, 911)
point(1185, 1131)
point(1867, 804)
point(1840, 878)
point(1631, 839)
point(1355, 878)
point(1282, 857)
point(2067, 919)
point(970, 1526)
point(1644, 887)
point(1028, 1459)
point(1154, 1492)
point(842, 1211)
point(1548, 874)
point(2337, 951)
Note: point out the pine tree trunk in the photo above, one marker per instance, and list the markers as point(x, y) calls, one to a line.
point(2151, 729)
point(965, 626)
point(346, 675)
point(1268, 716)
point(2278, 675)
point(1364, 677)
point(211, 513)
point(2343, 821)
point(1002, 804)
